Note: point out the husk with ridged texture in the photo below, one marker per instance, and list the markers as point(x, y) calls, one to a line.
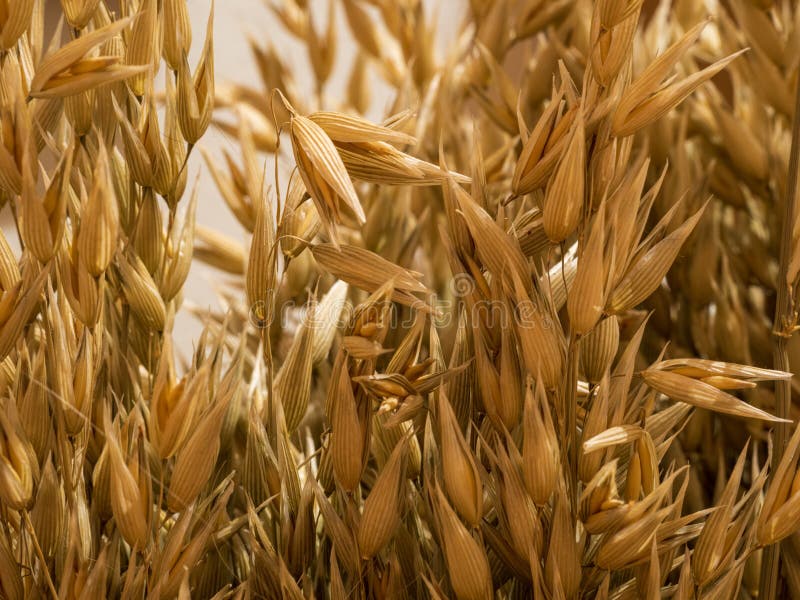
point(586, 297)
point(196, 459)
point(466, 560)
point(459, 471)
point(127, 503)
point(384, 505)
point(293, 380)
point(368, 271)
point(599, 348)
point(563, 200)
point(346, 441)
point(142, 292)
point(703, 395)
point(531, 380)
point(646, 274)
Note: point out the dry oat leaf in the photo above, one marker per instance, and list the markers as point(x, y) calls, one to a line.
point(703, 395)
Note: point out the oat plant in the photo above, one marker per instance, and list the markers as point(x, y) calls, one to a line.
point(524, 331)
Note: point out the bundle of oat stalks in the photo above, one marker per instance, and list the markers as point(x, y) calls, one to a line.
point(525, 335)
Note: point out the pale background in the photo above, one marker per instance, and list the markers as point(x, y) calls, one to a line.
point(235, 22)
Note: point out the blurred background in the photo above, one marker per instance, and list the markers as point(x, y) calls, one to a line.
point(236, 24)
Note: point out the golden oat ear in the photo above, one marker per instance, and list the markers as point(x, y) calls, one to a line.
point(644, 276)
point(68, 70)
point(465, 556)
point(384, 506)
point(586, 297)
point(369, 271)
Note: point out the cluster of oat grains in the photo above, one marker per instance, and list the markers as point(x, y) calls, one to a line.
point(530, 335)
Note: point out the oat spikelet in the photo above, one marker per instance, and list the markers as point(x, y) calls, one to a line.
point(466, 559)
point(383, 507)
point(459, 471)
point(564, 197)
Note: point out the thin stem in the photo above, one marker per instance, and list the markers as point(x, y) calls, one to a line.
point(571, 400)
point(784, 309)
point(26, 517)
